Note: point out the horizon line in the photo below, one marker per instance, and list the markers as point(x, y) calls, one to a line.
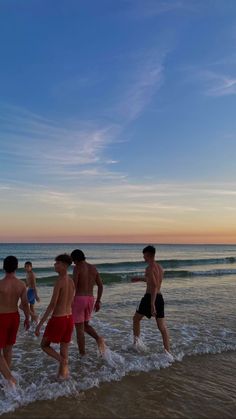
point(138, 243)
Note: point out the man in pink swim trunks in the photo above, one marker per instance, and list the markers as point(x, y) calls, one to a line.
point(85, 276)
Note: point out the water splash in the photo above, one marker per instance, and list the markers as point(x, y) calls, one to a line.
point(112, 358)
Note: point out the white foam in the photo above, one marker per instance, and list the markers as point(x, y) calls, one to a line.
point(38, 381)
point(169, 356)
point(112, 358)
point(138, 346)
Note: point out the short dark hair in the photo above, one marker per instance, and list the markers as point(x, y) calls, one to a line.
point(65, 258)
point(78, 255)
point(149, 249)
point(28, 263)
point(10, 264)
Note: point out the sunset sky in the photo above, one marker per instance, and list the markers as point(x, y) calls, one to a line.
point(118, 121)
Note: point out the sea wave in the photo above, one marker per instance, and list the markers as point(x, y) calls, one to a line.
point(134, 265)
point(111, 278)
point(123, 271)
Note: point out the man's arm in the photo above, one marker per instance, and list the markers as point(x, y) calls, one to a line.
point(75, 276)
point(99, 283)
point(25, 306)
point(153, 290)
point(50, 307)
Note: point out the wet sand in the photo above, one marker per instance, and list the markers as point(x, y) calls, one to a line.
point(201, 386)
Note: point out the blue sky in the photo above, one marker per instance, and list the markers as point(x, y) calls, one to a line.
point(117, 120)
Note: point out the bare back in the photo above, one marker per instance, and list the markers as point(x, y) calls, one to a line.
point(154, 276)
point(11, 290)
point(85, 277)
point(30, 280)
point(63, 295)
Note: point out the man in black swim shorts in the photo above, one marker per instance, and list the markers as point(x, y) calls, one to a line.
point(152, 304)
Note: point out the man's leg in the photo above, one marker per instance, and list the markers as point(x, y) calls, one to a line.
point(63, 371)
point(33, 315)
point(136, 326)
point(90, 330)
point(99, 339)
point(4, 369)
point(7, 352)
point(79, 327)
point(45, 345)
point(161, 324)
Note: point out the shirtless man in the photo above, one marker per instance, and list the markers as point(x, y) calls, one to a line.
point(32, 294)
point(85, 276)
point(12, 290)
point(152, 304)
point(60, 326)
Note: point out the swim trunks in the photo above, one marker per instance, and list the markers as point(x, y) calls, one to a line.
point(31, 295)
point(82, 308)
point(9, 324)
point(59, 329)
point(144, 307)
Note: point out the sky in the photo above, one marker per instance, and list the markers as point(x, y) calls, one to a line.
point(118, 121)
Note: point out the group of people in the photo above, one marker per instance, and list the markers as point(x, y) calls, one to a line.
point(71, 305)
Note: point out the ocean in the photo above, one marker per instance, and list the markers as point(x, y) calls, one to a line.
point(199, 289)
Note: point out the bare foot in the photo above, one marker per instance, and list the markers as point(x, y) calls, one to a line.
point(35, 318)
point(63, 377)
point(169, 356)
point(63, 372)
point(12, 382)
point(101, 345)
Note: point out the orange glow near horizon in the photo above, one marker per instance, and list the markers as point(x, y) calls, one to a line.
point(175, 238)
point(93, 225)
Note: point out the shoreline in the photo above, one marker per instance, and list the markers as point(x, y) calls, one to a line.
point(199, 386)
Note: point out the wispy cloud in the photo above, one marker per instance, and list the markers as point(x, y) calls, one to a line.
point(119, 198)
point(218, 84)
point(140, 9)
point(217, 78)
point(141, 92)
point(70, 149)
point(141, 83)
point(54, 147)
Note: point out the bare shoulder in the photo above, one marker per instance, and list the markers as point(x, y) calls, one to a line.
point(92, 268)
point(20, 284)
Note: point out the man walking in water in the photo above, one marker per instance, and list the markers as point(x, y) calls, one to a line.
point(152, 304)
point(12, 290)
point(85, 276)
point(32, 293)
point(60, 326)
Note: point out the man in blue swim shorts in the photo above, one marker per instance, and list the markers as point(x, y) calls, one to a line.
point(32, 294)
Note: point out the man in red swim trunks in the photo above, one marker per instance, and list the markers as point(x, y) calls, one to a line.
point(60, 326)
point(85, 276)
point(12, 290)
